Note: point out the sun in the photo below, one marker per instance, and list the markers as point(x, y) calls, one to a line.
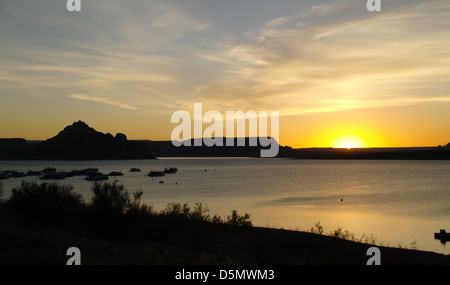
point(348, 141)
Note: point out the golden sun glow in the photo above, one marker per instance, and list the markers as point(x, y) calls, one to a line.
point(348, 141)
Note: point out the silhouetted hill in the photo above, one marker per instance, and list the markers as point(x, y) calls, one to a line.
point(81, 142)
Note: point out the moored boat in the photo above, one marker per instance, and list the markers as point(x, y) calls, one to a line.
point(84, 172)
point(156, 173)
point(97, 177)
point(53, 176)
point(49, 170)
point(33, 173)
point(16, 174)
point(170, 170)
point(4, 175)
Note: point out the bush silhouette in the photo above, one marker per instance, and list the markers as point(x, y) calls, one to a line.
point(237, 220)
point(200, 213)
point(317, 229)
point(53, 204)
point(110, 198)
point(184, 211)
point(114, 210)
point(115, 214)
point(177, 210)
point(137, 210)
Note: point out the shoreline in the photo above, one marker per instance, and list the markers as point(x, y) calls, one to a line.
point(385, 241)
point(25, 242)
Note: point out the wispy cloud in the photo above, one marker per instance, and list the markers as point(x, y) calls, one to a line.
point(124, 54)
point(103, 100)
point(349, 59)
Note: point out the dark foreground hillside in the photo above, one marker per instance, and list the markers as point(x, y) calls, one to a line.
point(40, 222)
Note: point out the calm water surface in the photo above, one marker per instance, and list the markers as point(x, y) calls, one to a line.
point(400, 203)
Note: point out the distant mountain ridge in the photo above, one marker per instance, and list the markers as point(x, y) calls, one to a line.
point(390, 153)
point(81, 142)
point(167, 149)
point(14, 149)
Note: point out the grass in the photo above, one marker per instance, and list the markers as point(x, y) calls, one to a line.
point(346, 235)
point(39, 222)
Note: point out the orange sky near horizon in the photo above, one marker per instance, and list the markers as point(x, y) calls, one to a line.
point(377, 128)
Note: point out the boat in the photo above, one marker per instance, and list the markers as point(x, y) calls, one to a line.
point(97, 177)
point(170, 170)
point(115, 173)
point(156, 173)
point(4, 175)
point(49, 170)
point(33, 173)
point(66, 173)
point(84, 172)
point(135, 169)
point(442, 235)
point(53, 176)
point(16, 174)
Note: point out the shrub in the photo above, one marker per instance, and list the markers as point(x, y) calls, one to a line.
point(110, 198)
point(114, 211)
point(53, 204)
point(317, 229)
point(237, 220)
point(200, 213)
point(113, 198)
point(115, 214)
point(177, 210)
point(216, 220)
point(339, 233)
point(137, 210)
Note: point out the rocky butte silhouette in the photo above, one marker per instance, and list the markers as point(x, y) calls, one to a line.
point(81, 142)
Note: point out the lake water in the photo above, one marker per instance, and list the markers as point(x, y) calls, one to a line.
point(400, 203)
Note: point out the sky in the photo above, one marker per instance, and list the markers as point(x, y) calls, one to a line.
point(333, 70)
